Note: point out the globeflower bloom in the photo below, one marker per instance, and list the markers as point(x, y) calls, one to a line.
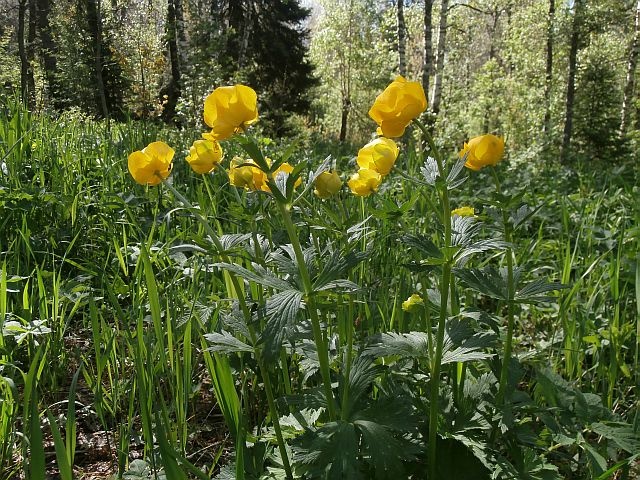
point(379, 155)
point(327, 184)
point(412, 303)
point(152, 164)
point(246, 174)
point(204, 156)
point(400, 103)
point(228, 110)
point(364, 182)
point(463, 212)
point(483, 151)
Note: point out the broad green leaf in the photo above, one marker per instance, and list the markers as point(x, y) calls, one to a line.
point(281, 312)
point(224, 342)
point(622, 434)
point(413, 345)
point(260, 276)
point(531, 292)
point(488, 281)
point(423, 244)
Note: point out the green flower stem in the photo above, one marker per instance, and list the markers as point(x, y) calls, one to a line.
point(504, 372)
point(264, 372)
point(347, 372)
point(319, 338)
point(445, 283)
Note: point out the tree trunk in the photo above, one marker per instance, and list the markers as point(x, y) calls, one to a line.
point(183, 47)
point(546, 127)
point(31, 42)
point(428, 45)
point(172, 90)
point(442, 36)
point(402, 62)
point(24, 62)
point(48, 47)
point(346, 105)
point(571, 84)
point(345, 74)
point(246, 33)
point(94, 20)
point(631, 73)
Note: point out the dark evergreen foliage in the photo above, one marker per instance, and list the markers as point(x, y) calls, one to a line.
point(265, 44)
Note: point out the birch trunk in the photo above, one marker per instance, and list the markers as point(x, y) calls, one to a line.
point(441, 51)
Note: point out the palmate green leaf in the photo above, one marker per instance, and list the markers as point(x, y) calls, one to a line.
point(470, 349)
point(457, 460)
point(337, 265)
point(488, 281)
point(386, 452)
point(330, 451)
point(532, 467)
point(430, 171)
point(361, 376)
point(432, 254)
point(412, 345)
point(281, 312)
point(522, 214)
point(224, 342)
point(622, 434)
point(464, 254)
point(260, 275)
point(390, 210)
point(463, 230)
point(358, 231)
point(457, 175)
point(531, 292)
point(231, 241)
point(462, 343)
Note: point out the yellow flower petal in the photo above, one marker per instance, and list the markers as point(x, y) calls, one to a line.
point(483, 151)
point(327, 184)
point(397, 105)
point(204, 156)
point(380, 155)
point(412, 303)
point(364, 182)
point(151, 165)
point(230, 109)
point(463, 212)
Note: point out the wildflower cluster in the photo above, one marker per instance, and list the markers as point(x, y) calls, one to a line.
point(229, 111)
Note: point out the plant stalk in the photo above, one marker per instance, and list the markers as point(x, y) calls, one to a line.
point(264, 372)
point(508, 343)
point(319, 338)
point(445, 283)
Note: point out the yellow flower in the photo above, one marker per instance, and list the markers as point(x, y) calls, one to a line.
point(151, 165)
point(204, 156)
point(400, 103)
point(482, 151)
point(246, 174)
point(412, 303)
point(463, 212)
point(228, 110)
point(364, 182)
point(327, 184)
point(283, 168)
point(379, 155)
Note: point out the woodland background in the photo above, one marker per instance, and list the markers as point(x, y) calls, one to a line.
point(554, 77)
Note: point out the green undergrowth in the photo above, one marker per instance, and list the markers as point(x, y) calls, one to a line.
point(118, 314)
